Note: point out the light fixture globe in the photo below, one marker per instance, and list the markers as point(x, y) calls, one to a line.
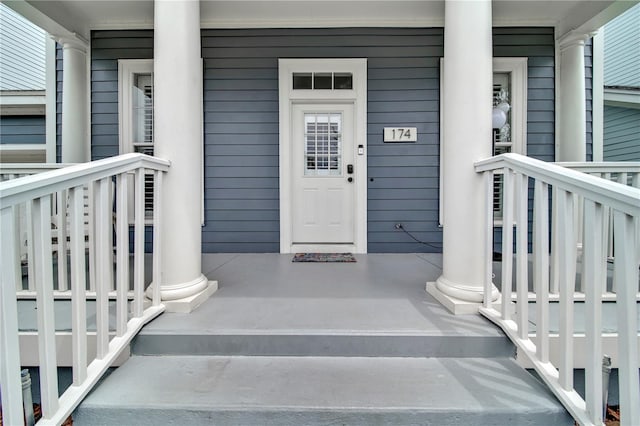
point(498, 118)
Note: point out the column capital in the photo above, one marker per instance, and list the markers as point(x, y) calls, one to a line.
point(76, 43)
point(572, 39)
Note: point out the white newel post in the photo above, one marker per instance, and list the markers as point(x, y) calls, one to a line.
point(467, 84)
point(572, 112)
point(75, 140)
point(178, 138)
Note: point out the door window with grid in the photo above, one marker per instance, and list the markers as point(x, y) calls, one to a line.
point(323, 144)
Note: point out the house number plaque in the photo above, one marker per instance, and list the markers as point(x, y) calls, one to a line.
point(400, 134)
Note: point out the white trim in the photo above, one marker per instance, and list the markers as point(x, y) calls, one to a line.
point(126, 69)
point(22, 147)
point(51, 94)
point(418, 22)
point(358, 97)
point(517, 67)
point(29, 98)
point(622, 97)
point(597, 110)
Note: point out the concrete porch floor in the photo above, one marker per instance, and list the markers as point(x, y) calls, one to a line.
point(380, 293)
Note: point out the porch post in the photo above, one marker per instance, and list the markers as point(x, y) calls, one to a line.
point(572, 129)
point(75, 140)
point(178, 138)
point(466, 139)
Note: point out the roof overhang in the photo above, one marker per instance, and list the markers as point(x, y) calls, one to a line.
point(76, 18)
point(622, 97)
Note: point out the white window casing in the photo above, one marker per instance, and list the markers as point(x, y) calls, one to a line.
point(135, 117)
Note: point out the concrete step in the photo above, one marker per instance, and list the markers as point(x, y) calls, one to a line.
point(325, 343)
point(152, 390)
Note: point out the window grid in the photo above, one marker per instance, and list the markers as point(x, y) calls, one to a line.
point(323, 144)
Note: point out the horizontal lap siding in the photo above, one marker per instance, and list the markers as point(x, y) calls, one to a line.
point(241, 132)
point(241, 122)
point(106, 48)
point(621, 134)
point(22, 129)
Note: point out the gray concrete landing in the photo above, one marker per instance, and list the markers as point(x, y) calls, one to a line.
point(267, 305)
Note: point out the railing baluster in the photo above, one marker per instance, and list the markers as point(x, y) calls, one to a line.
point(541, 267)
point(138, 250)
point(78, 284)
point(488, 267)
point(31, 285)
point(625, 275)
point(157, 221)
point(122, 249)
point(606, 220)
point(91, 233)
point(555, 243)
point(17, 236)
point(44, 302)
point(567, 274)
point(592, 255)
point(104, 265)
point(507, 243)
point(61, 216)
point(522, 277)
point(12, 412)
point(635, 182)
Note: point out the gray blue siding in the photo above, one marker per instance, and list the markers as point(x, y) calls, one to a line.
point(241, 131)
point(106, 48)
point(588, 84)
point(59, 68)
point(241, 122)
point(22, 129)
point(622, 49)
point(621, 134)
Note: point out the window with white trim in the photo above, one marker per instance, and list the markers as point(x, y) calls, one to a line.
point(510, 97)
point(510, 87)
point(135, 96)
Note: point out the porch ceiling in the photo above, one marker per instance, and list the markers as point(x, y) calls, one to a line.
point(66, 17)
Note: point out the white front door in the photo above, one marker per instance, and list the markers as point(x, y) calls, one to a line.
point(323, 187)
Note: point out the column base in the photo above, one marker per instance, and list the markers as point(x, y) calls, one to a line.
point(185, 297)
point(456, 305)
point(189, 304)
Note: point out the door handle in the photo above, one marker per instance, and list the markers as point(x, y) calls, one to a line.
point(350, 169)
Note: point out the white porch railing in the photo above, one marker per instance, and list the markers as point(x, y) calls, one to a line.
point(104, 179)
point(599, 195)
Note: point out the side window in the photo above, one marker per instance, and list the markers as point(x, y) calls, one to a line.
point(510, 96)
point(135, 110)
point(510, 116)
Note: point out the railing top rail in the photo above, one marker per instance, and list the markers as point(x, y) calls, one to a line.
point(26, 188)
point(603, 167)
point(621, 197)
point(30, 168)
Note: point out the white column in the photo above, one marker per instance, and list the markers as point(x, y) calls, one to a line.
point(572, 116)
point(178, 138)
point(466, 125)
point(75, 138)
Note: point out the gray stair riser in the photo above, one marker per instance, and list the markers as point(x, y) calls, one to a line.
point(153, 417)
point(324, 345)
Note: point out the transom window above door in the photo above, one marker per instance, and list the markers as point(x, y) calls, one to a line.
point(322, 81)
point(323, 144)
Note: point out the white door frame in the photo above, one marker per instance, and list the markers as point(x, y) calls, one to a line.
point(356, 96)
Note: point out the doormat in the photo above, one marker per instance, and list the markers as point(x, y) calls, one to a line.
point(324, 257)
